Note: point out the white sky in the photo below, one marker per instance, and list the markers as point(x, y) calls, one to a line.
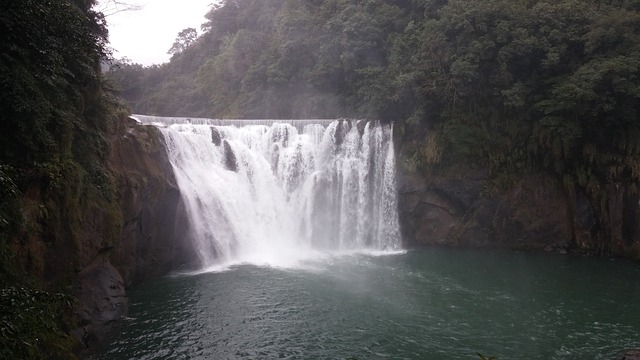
point(144, 36)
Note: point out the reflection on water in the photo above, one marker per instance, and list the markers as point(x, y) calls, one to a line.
point(423, 304)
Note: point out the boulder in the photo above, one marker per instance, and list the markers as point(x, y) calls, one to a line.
point(230, 160)
point(216, 137)
point(100, 292)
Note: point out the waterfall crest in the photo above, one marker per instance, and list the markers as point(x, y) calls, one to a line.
point(164, 121)
point(273, 193)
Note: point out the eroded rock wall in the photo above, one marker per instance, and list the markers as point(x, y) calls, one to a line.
point(151, 242)
point(460, 207)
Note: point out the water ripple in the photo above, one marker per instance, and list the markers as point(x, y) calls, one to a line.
point(411, 306)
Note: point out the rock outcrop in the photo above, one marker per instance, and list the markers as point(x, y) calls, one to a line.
point(534, 213)
point(100, 292)
point(151, 242)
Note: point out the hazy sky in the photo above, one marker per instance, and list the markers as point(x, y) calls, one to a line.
point(144, 36)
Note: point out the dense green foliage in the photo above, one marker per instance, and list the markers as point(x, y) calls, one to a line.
point(54, 114)
point(514, 86)
point(54, 123)
point(48, 68)
point(278, 59)
point(32, 324)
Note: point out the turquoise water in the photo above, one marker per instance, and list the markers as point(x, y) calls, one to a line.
point(422, 304)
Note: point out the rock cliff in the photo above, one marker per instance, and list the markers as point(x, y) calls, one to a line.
point(457, 207)
point(151, 241)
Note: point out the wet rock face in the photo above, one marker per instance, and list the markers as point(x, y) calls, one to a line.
point(453, 211)
point(429, 214)
point(624, 220)
point(216, 137)
point(361, 125)
point(432, 209)
point(151, 243)
point(535, 213)
point(113, 242)
point(100, 292)
point(230, 160)
point(459, 205)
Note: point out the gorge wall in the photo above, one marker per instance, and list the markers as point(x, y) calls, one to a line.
point(92, 235)
point(149, 244)
point(460, 206)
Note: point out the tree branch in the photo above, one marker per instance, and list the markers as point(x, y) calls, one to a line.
point(112, 7)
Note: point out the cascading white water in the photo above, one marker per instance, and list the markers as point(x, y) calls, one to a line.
point(272, 194)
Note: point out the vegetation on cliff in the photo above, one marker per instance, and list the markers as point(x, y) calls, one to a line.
point(517, 87)
point(55, 191)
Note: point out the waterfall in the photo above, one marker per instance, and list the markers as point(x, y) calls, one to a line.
point(271, 193)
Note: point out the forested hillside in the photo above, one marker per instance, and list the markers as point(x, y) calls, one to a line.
point(515, 86)
point(55, 115)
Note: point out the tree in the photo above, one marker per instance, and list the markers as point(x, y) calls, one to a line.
point(185, 38)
